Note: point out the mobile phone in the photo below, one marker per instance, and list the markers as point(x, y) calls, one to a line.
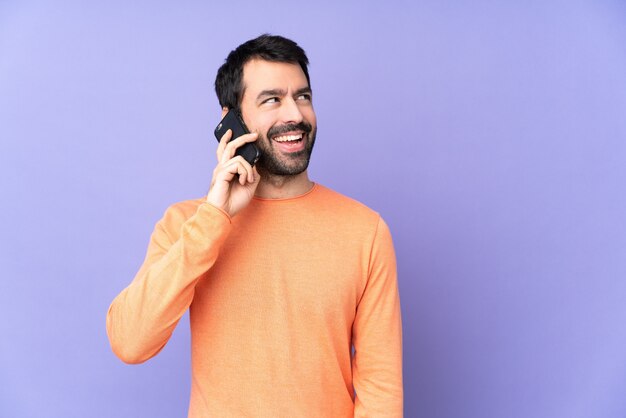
point(233, 120)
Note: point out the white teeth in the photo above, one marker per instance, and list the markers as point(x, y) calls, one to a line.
point(286, 138)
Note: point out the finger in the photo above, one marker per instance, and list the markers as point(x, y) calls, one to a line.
point(242, 173)
point(256, 177)
point(248, 175)
point(223, 141)
point(242, 177)
point(238, 165)
point(231, 147)
point(226, 171)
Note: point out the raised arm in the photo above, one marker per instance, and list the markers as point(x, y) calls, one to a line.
point(143, 316)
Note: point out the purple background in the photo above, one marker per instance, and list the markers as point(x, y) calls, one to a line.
point(491, 137)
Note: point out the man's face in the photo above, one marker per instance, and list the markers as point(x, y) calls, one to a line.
point(277, 104)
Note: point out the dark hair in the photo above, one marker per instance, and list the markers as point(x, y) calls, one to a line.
point(229, 79)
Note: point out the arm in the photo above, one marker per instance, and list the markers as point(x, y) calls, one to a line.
point(377, 336)
point(142, 318)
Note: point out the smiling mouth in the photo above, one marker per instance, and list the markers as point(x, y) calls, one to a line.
point(290, 142)
point(289, 138)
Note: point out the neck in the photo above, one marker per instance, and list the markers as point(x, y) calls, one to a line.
point(283, 187)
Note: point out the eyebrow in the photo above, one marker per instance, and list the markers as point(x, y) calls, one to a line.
point(281, 92)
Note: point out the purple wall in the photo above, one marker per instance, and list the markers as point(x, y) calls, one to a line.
point(492, 139)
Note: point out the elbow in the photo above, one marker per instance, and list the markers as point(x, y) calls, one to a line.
point(126, 344)
point(128, 355)
point(131, 350)
point(126, 349)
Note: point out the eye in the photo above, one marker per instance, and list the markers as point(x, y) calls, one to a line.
point(304, 96)
point(271, 100)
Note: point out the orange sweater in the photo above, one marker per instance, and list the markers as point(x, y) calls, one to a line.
point(277, 297)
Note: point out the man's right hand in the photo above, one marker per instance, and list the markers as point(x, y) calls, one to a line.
point(229, 192)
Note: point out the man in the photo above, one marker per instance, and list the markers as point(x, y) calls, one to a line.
point(282, 276)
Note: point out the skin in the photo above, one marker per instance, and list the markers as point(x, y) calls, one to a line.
point(261, 112)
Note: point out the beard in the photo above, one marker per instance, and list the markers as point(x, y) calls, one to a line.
point(274, 162)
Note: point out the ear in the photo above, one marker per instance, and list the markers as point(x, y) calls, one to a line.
point(224, 111)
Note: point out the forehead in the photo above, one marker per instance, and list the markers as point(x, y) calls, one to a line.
point(259, 75)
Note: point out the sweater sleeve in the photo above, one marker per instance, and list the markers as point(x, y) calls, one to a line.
point(143, 316)
point(377, 335)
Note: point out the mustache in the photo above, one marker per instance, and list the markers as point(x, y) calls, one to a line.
point(277, 130)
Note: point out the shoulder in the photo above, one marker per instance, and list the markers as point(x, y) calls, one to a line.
point(346, 208)
point(176, 214)
point(356, 225)
point(185, 208)
point(343, 202)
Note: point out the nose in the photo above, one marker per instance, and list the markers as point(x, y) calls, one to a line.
point(290, 112)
